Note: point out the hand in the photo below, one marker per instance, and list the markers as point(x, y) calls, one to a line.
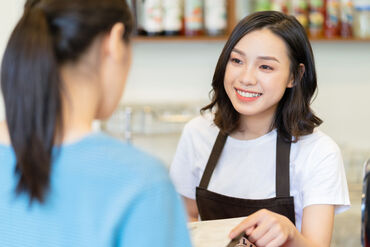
point(266, 228)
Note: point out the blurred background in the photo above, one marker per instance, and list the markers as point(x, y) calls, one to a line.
point(176, 48)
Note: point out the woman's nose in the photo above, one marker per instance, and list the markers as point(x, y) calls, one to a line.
point(248, 76)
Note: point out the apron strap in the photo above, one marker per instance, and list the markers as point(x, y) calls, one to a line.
point(213, 159)
point(282, 167)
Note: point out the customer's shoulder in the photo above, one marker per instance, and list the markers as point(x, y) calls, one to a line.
point(109, 155)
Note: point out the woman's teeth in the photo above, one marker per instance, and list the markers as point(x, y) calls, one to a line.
point(248, 95)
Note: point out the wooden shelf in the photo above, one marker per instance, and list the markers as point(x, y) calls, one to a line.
point(205, 38)
point(340, 40)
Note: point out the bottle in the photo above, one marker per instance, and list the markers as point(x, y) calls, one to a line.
point(152, 19)
point(346, 18)
point(215, 17)
point(262, 5)
point(280, 5)
point(300, 11)
point(361, 24)
point(193, 15)
point(139, 16)
point(332, 17)
point(316, 18)
point(172, 17)
point(244, 8)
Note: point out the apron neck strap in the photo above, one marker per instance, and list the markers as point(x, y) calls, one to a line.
point(282, 167)
point(213, 159)
point(282, 164)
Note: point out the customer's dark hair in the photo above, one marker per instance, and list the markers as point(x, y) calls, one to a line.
point(293, 117)
point(49, 34)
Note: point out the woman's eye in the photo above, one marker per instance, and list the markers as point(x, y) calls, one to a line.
point(266, 67)
point(235, 60)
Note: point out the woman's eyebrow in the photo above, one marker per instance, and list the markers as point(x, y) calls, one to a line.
point(271, 58)
point(268, 58)
point(239, 52)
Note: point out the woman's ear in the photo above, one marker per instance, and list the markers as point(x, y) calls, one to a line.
point(301, 70)
point(114, 43)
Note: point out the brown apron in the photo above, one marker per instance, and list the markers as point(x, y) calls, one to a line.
point(212, 206)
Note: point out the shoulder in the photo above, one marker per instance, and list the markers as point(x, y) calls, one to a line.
point(318, 142)
point(317, 151)
point(108, 156)
point(201, 129)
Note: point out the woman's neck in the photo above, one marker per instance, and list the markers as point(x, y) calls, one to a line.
point(4, 133)
point(252, 127)
point(79, 103)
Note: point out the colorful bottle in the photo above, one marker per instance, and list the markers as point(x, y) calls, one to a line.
point(361, 24)
point(215, 17)
point(172, 17)
point(152, 19)
point(300, 11)
point(332, 17)
point(139, 16)
point(244, 8)
point(346, 18)
point(316, 18)
point(193, 16)
point(262, 5)
point(280, 5)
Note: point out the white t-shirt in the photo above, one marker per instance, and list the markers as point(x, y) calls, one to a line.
point(246, 168)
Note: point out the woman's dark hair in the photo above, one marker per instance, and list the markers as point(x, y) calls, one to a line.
point(49, 34)
point(294, 116)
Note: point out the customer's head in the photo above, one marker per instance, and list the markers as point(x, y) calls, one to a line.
point(50, 35)
point(293, 116)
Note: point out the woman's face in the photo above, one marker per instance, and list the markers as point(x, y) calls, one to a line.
point(258, 73)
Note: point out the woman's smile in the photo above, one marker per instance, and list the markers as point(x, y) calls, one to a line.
point(247, 96)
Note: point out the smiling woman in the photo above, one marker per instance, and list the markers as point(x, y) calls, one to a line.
point(258, 154)
point(252, 76)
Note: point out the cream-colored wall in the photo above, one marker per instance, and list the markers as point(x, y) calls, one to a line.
point(9, 13)
point(182, 72)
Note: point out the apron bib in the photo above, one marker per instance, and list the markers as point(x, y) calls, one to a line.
point(213, 206)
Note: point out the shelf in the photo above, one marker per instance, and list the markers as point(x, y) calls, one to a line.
point(340, 40)
point(203, 38)
point(144, 39)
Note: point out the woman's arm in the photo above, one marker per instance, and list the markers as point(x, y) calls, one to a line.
point(191, 208)
point(317, 227)
point(265, 228)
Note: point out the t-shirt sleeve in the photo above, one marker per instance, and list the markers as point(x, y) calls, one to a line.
point(325, 180)
point(156, 218)
point(182, 168)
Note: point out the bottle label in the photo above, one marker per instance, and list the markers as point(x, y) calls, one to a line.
point(332, 13)
point(300, 11)
point(172, 14)
point(347, 12)
point(194, 14)
point(215, 15)
point(316, 17)
point(153, 16)
point(262, 5)
point(280, 5)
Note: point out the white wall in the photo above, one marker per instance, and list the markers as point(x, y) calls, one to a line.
point(182, 72)
point(10, 11)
